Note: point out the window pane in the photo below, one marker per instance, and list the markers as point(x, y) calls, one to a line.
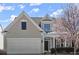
point(23, 25)
point(47, 27)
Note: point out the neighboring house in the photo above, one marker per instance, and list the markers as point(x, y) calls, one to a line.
point(31, 35)
point(1, 39)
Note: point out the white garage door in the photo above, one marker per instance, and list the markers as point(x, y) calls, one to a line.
point(23, 45)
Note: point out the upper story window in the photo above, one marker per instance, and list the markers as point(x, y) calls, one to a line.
point(47, 27)
point(23, 25)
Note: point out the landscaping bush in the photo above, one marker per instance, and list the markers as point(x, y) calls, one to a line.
point(69, 49)
point(77, 50)
point(53, 50)
point(62, 50)
point(59, 50)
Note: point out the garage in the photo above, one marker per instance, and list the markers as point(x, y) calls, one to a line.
point(23, 45)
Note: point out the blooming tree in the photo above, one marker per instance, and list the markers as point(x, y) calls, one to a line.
point(70, 24)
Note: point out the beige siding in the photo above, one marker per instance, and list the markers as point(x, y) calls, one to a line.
point(16, 32)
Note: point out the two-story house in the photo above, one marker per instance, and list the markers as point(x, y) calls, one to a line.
point(31, 35)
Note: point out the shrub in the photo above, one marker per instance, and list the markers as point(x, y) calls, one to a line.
point(61, 50)
point(69, 49)
point(53, 50)
point(77, 50)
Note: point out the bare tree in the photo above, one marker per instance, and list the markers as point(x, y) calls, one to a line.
point(70, 22)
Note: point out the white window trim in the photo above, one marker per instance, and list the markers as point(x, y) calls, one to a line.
point(26, 24)
point(47, 22)
point(23, 20)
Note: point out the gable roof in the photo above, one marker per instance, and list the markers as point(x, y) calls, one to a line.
point(21, 14)
point(46, 18)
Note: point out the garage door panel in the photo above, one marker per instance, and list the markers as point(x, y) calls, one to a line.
point(23, 45)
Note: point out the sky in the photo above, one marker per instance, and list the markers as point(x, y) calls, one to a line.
point(8, 11)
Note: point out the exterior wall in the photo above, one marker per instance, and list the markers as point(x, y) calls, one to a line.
point(16, 32)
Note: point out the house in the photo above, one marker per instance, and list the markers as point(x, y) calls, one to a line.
point(1, 38)
point(31, 35)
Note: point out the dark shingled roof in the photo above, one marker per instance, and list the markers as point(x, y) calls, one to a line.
point(39, 19)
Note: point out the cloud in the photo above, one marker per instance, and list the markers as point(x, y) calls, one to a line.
point(35, 4)
point(56, 13)
point(2, 8)
point(34, 10)
point(12, 17)
point(21, 6)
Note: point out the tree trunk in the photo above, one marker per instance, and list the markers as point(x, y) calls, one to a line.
point(75, 47)
point(74, 50)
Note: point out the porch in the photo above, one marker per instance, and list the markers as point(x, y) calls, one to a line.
point(54, 40)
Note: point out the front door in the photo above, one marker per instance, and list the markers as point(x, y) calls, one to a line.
point(46, 45)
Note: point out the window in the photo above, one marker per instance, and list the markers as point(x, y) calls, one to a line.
point(62, 41)
point(47, 27)
point(57, 44)
point(62, 45)
point(23, 25)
